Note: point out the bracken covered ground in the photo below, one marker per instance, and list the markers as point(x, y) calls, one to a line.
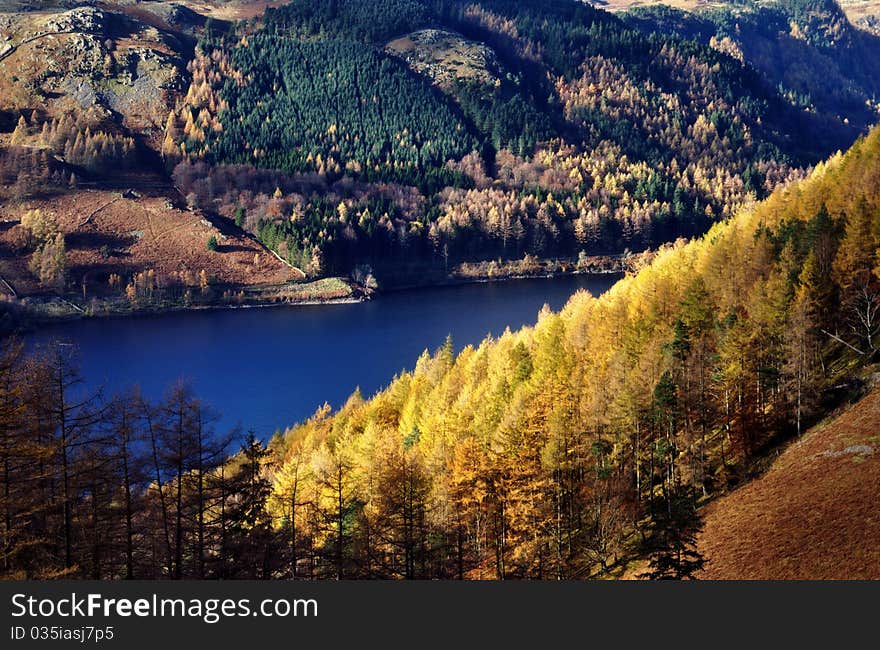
point(814, 515)
point(108, 232)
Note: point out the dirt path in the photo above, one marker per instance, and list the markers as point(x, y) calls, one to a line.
point(92, 214)
point(37, 37)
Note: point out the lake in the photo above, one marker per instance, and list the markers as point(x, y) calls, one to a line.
point(269, 368)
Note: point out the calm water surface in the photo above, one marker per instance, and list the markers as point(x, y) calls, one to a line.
point(268, 368)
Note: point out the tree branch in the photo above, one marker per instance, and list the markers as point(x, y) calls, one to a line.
point(840, 340)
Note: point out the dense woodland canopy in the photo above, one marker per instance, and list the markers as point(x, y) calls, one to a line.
point(558, 451)
point(332, 102)
point(595, 135)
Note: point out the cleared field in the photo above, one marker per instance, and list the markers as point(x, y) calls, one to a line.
point(625, 5)
point(863, 10)
point(814, 515)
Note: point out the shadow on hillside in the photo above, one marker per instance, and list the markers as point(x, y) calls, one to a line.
point(95, 240)
point(235, 248)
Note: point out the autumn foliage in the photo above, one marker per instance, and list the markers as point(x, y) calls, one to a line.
point(542, 452)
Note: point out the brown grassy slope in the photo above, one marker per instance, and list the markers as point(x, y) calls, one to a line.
point(236, 10)
point(814, 515)
point(107, 233)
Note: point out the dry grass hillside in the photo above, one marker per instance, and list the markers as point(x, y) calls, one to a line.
point(814, 515)
point(113, 232)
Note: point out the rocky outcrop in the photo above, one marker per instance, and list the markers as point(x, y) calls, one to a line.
point(81, 19)
point(98, 60)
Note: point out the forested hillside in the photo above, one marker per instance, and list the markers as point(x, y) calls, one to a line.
point(404, 141)
point(808, 48)
point(334, 101)
point(584, 134)
point(559, 451)
point(89, 221)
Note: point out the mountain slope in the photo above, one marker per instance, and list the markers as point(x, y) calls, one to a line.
point(405, 139)
point(116, 69)
point(556, 450)
point(808, 48)
point(579, 134)
point(813, 515)
point(85, 93)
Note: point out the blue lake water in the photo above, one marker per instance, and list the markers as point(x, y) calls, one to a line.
point(268, 368)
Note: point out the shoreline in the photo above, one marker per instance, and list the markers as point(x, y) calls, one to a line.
point(461, 281)
point(29, 319)
point(27, 315)
point(529, 268)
